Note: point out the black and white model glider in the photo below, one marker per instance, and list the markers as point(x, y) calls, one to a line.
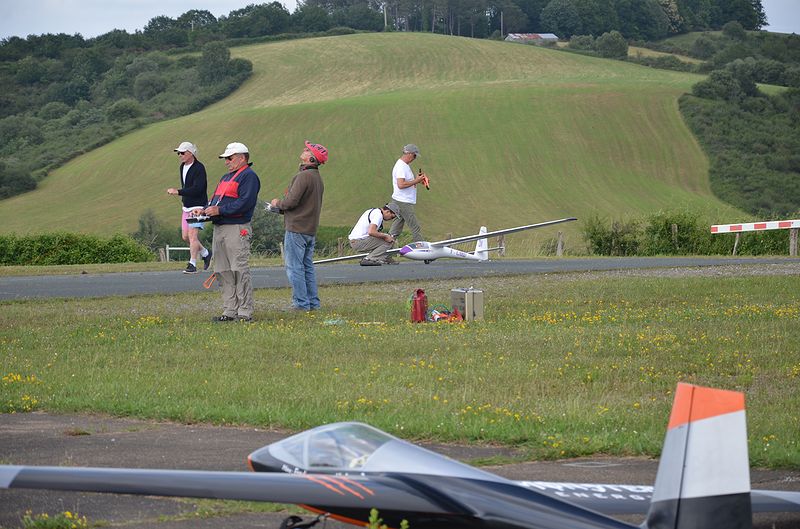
point(345, 470)
point(430, 251)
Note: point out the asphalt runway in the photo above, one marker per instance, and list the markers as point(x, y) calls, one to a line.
point(128, 284)
point(92, 440)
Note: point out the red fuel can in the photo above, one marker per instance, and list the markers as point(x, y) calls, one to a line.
point(419, 306)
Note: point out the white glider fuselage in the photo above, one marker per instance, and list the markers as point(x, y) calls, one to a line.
point(425, 251)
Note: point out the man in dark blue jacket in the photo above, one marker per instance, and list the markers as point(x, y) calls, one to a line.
point(231, 208)
point(194, 196)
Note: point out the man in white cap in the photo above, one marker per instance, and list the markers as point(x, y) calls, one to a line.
point(231, 208)
point(404, 193)
point(366, 235)
point(194, 195)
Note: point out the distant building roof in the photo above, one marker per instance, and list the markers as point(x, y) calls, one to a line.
point(531, 37)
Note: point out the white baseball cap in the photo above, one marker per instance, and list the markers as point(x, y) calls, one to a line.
point(234, 148)
point(187, 146)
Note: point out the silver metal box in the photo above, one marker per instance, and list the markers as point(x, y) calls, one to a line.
point(468, 301)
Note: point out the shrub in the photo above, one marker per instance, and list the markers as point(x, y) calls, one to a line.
point(686, 238)
point(791, 77)
point(121, 249)
point(53, 110)
point(63, 248)
point(703, 48)
point(343, 30)
point(15, 179)
point(213, 63)
point(187, 61)
point(153, 234)
point(619, 238)
point(612, 45)
point(141, 64)
point(664, 62)
point(148, 85)
point(581, 42)
point(734, 30)
point(124, 109)
point(239, 66)
point(267, 231)
point(721, 85)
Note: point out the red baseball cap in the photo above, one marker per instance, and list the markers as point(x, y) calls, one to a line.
point(320, 152)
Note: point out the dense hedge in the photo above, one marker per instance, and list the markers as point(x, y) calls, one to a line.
point(70, 248)
point(654, 235)
point(752, 143)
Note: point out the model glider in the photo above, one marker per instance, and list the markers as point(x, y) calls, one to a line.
point(345, 470)
point(430, 251)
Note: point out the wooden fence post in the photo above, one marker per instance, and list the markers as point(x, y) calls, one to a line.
point(162, 255)
point(339, 247)
point(560, 244)
point(736, 243)
point(675, 236)
point(501, 243)
point(283, 258)
point(793, 242)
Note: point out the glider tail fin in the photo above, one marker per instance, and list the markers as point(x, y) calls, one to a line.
point(482, 246)
point(703, 476)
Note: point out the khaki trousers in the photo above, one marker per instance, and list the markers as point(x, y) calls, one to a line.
point(407, 214)
point(376, 247)
point(231, 264)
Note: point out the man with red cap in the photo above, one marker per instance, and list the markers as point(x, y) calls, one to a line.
point(301, 207)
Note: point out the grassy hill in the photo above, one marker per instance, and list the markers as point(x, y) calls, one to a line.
point(509, 135)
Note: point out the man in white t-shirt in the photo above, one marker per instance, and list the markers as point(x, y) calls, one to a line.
point(367, 237)
point(404, 194)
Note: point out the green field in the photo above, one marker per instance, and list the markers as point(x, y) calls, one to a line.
point(509, 134)
point(564, 364)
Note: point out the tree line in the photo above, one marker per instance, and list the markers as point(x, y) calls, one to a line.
point(634, 19)
point(752, 139)
point(55, 107)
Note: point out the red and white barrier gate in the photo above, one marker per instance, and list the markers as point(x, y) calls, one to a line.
point(791, 225)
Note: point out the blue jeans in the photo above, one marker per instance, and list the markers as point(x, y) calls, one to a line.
point(298, 249)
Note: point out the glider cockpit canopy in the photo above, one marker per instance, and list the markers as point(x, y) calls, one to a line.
point(351, 448)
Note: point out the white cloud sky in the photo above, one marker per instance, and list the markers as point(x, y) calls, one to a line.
point(91, 18)
point(95, 17)
point(783, 16)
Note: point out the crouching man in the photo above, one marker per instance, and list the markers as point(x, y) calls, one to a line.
point(367, 236)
